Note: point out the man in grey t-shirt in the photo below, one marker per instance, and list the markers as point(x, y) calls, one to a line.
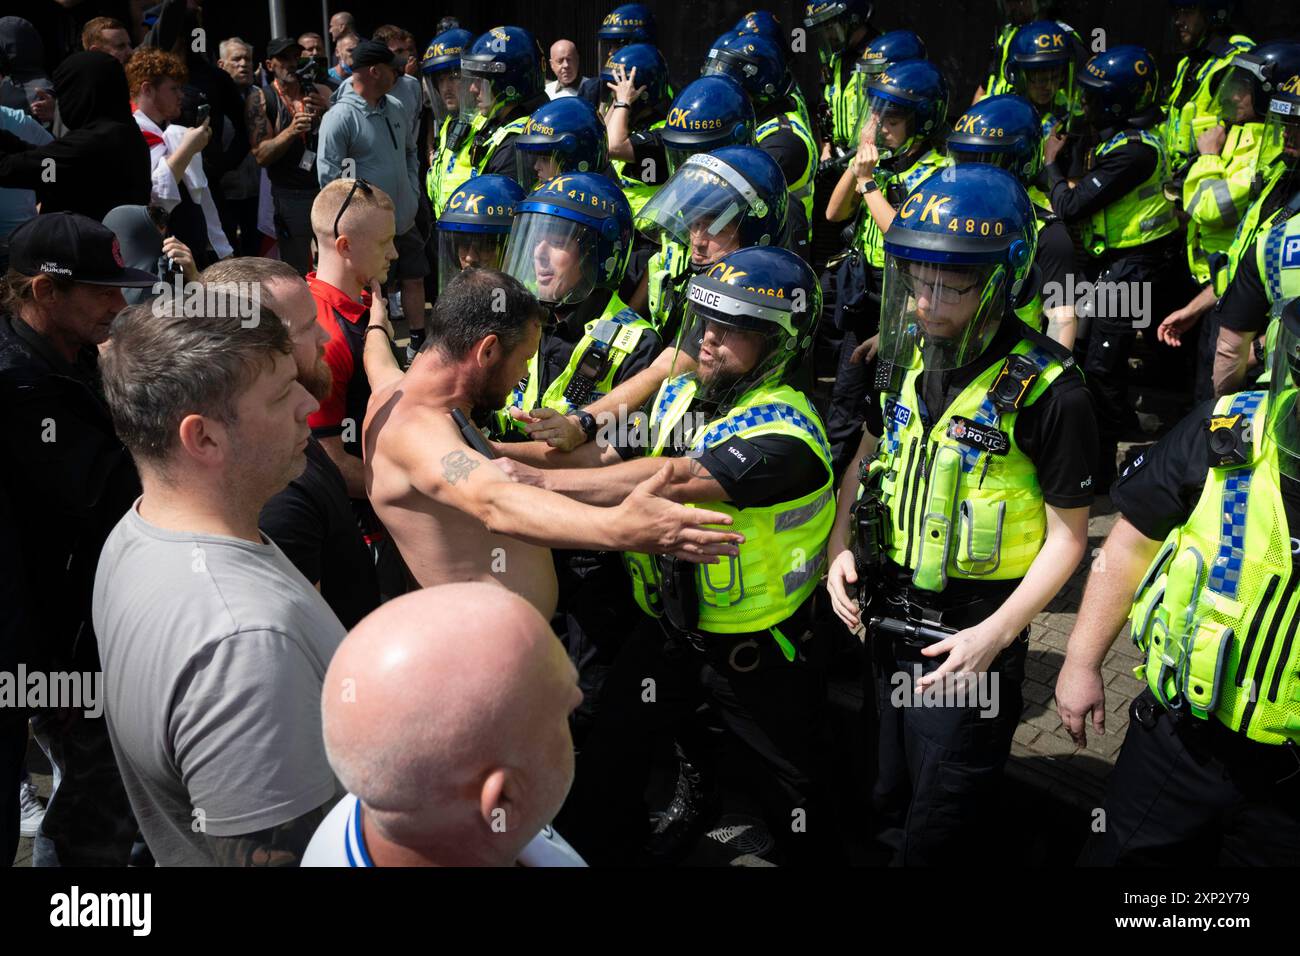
point(214, 646)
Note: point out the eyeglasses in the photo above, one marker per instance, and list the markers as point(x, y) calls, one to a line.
point(949, 295)
point(356, 184)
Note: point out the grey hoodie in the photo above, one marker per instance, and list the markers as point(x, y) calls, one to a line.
point(379, 141)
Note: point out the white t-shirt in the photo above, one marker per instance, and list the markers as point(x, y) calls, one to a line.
point(338, 841)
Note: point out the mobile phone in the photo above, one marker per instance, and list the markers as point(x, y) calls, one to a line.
point(202, 113)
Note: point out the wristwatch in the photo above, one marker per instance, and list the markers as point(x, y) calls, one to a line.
point(587, 422)
point(619, 104)
point(870, 186)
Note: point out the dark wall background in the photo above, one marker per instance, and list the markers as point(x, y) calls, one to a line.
point(957, 32)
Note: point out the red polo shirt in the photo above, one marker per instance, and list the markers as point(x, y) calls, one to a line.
point(334, 306)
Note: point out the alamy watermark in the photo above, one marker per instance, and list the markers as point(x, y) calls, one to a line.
point(52, 690)
point(624, 430)
point(1101, 300)
point(951, 690)
point(236, 300)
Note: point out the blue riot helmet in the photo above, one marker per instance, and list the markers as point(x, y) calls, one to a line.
point(1003, 131)
point(896, 46)
point(718, 202)
point(503, 67)
point(763, 23)
point(832, 24)
point(759, 296)
point(886, 50)
point(475, 224)
point(753, 61)
point(571, 236)
point(651, 73)
point(905, 106)
point(630, 23)
point(1120, 88)
point(957, 258)
point(712, 112)
point(562, 136)
point(440, 71)
point(1041, 64)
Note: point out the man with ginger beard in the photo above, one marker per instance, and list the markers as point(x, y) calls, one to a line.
point(312, 519)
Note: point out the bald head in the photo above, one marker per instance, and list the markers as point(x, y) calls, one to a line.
point(446, 712)
point(564, 61)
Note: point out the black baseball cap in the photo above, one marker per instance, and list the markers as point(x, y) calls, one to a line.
point(75, 247)
point(280, 45)
point(374, 53)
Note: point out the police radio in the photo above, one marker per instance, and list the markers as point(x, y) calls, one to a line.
point(592, 367)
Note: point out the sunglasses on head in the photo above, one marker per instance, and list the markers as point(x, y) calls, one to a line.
point(356, 184)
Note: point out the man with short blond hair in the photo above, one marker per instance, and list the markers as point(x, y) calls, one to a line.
point(354, 228)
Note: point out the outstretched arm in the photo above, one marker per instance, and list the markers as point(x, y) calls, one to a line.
point(443, 468)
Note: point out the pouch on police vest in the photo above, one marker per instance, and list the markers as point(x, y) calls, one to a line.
point(1204, 663)
point(681, 605)
point(979, 536)
point(1168, 649)
point(1150, 594)
point(647, 586)
point(931, 572)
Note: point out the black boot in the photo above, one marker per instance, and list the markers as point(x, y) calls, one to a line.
point(677, 829)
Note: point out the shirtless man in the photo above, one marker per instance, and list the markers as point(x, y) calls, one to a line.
point(455, 520)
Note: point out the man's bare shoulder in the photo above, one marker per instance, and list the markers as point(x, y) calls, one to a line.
point(407, 430)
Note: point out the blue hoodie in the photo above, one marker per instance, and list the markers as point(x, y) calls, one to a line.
point(378, 140)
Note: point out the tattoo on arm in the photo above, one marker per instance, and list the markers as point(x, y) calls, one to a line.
point(255, 117)
point(457, 465)
point(281, 845)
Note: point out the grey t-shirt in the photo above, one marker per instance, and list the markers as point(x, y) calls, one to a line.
point(214, 650)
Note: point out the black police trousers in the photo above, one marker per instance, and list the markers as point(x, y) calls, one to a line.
point(1187, 791)
point(595, 604)
point(774, 710)
point(941, 762)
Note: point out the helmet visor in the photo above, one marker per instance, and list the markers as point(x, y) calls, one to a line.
point(478, 94)
point(442, 90)
point(726, 63)
point(886, 122)
point(608, 46)
point(1282, 133)
point(555, 258)
point(1284, 377)
point(703, 207)
point(459, 250)
point(534, 167)
point(730, 351)
point(831, 37)
point(1042, 84)
point(1002, 159)
point(940, 314)
point(1236, 99)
